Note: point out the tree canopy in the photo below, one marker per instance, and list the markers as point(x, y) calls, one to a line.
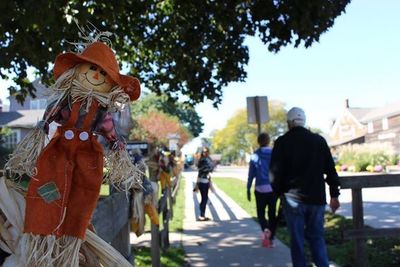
point(191, 48)
point(156, 127)
point(239, 138)
point(186, 114)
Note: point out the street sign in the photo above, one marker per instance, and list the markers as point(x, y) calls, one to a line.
point(257, 109)
point(131, 146)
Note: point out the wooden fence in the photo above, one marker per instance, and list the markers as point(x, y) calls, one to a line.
point(111, 221)
point(359, 233)
point(160, 239)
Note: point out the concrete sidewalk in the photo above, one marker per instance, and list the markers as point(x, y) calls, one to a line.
point(230, 238)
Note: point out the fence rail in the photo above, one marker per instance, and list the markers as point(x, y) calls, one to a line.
point(359, 233)
point(111, 222)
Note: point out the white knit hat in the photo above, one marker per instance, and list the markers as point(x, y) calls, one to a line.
point(296, 116)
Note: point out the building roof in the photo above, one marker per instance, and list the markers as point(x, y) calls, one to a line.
point(6, 117)
point(21, 118)
point(359, 113)
point(382, 112)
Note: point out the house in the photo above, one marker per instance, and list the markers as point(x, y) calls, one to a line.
point(367, 125)
point(21, 118)
point(383, 125)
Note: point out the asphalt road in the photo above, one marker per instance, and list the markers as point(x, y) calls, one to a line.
point(381, 205)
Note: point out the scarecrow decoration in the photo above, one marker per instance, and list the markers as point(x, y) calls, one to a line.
point(144, 200)
point(67, 173)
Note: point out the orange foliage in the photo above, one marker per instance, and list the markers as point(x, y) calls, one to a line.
point(156, 126)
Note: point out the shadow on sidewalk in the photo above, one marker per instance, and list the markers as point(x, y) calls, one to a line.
point(231, 243)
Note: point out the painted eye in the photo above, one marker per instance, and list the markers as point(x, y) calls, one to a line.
point(92, 67)
point(102, 72)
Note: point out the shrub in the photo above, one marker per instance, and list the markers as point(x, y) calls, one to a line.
point(365, 156)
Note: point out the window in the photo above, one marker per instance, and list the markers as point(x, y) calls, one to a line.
point(370, 127)
point(38, 104)
point(11, 140)
point(385, 124)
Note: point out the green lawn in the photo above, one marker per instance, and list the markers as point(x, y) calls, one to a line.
point(173, 256)
point(381, 251)
point(176, 225)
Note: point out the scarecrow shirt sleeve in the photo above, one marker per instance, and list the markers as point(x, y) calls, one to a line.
point(57, 113)
point(107, 129)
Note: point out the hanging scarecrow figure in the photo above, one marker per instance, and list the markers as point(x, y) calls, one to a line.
point(66, 175)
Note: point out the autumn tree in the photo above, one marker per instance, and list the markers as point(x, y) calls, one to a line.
point(155, 127)
point(186, 114)
point(185, 48)
point(239, 138)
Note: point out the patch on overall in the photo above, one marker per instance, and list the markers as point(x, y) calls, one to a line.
point(49, 192)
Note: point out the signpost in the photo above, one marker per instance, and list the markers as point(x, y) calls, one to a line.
point(257, 111)
point(173, 140)
point(142, 146)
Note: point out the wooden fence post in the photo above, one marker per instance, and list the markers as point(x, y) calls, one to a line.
point(155, 236)
point(155, 246)
point(160, 239)
point(360, 258)
point(359, 233)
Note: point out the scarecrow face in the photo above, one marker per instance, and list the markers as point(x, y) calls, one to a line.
point(94, 77)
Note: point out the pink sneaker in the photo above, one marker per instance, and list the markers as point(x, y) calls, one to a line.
point(271, 243)
point(265, 238)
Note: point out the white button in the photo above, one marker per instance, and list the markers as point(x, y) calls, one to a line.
point(69, 134)
point(84, 136)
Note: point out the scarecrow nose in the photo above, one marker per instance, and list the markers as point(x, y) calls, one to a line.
point(96, 76)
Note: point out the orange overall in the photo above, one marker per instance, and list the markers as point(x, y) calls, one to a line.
point(71, 165)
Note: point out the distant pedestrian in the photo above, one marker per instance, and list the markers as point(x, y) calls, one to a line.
point(300, 159)
point(205, 167)
point(259, 169)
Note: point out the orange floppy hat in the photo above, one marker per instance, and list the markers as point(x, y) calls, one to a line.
point(100, 54)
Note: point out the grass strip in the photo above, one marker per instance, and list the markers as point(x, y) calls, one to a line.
point(172, 257)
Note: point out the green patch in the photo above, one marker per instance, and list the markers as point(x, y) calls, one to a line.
point(381, 251)
point(49, 192)
point(176, 224)
point(172, 257)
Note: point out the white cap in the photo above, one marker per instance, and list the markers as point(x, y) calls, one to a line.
point(296, 117)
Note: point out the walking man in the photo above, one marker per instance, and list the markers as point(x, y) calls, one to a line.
point(299, 161)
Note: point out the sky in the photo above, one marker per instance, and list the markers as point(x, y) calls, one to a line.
point(357, 59)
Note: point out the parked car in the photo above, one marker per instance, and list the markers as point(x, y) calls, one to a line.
point(189, 161)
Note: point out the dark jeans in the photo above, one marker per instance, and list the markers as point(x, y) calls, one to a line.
point(262, 201)
point(203, 187)
point(306, 221)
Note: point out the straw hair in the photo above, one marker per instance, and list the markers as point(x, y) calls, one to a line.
point(23, 159)
point(123, 174)
point(115, 100)
point(39, 250)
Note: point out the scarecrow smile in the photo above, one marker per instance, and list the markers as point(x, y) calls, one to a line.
point(94, 77)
